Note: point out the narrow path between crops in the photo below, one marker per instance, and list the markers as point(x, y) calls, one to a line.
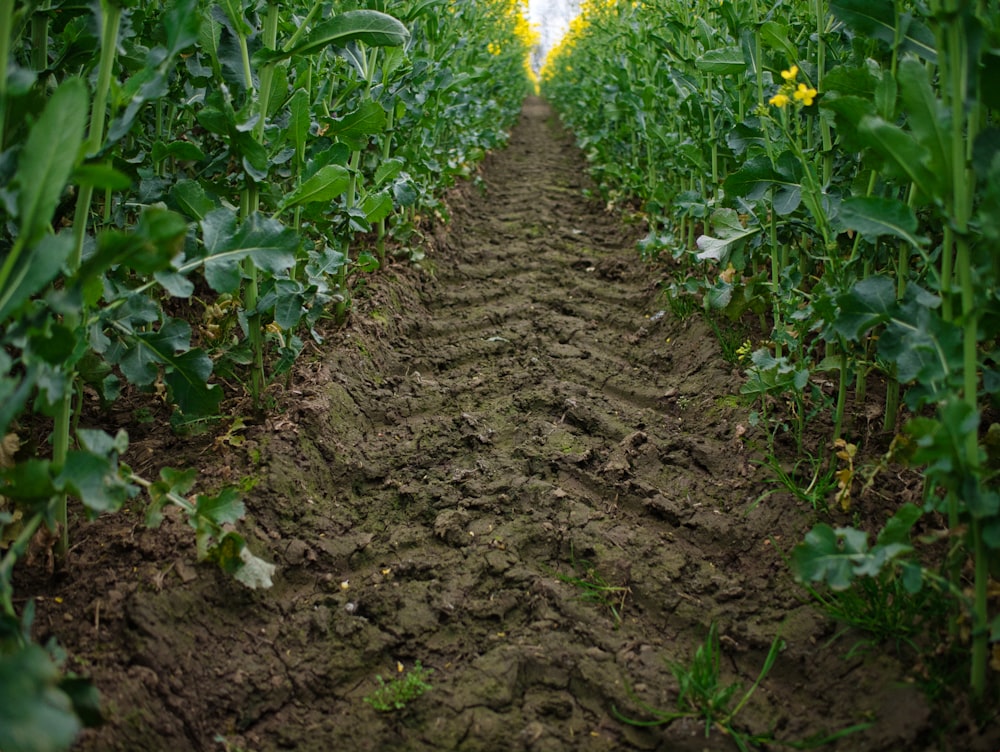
point(518, 413)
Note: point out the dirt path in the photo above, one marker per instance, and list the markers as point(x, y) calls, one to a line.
point(473, 434)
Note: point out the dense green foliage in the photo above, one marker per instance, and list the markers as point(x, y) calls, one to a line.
point(832, 167)
point(188, 188)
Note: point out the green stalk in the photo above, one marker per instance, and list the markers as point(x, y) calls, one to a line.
point(111, 23)
point(902, 277)
point(963, 182)
point(386, 151)
point(712, 136)
point(340, 309)
point(775, 273)
point(838, 419)
point(40, 41)
point(351, 199)
point(111, 15)
point(303, 27)
point(6, 31)
point(824, 126)
point(250, 202)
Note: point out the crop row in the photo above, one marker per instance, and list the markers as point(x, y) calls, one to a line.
point(189, 187)
point(831, 169)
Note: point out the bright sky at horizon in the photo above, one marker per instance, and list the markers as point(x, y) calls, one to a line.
point(551, 18)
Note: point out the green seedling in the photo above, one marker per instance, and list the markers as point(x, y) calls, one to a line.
point(595, 589)
point(812, 480)
point(702, 694)
point(396, 693)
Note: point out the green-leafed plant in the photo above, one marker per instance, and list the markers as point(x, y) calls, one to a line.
point(830, 167)
point(400, 690)
point(594, 588)
point(243, 162)
point(702, 694)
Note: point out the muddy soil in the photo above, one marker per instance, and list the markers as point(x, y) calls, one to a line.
point(514, 418)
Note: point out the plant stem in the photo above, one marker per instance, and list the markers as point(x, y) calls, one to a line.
point(111, 16)
point(963, 132)
point(6, 31)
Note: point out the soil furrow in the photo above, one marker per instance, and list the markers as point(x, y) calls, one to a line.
point(520, 473)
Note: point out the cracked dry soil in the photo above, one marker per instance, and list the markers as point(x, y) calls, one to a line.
point(481, 431)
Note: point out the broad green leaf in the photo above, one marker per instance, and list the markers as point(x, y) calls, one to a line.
point(897, 528)
point(182, 25)
point(873, 217)
point(724, 61)
point(85, 698)
point(927, 115)
point(186, 376)
point(878, 558)
point(753, 179)
point(149, 247)
point(423, 7)
point(987, 162)
point(190, 198)
point(94, 479)
point(720, 295)
point(156, 87)
point(849, 111)
point(270, 244)
point(749, 47)
point(35, 714)
point(328, 183)
point(101, 442)
point(377, 206)
point(366, 262)
point(855, 81)
point(870, 301)
point(877, 18)
point(174, 283)
point(886, 91)
point(183, 150)
point(990, 71)
point(905, 155)
point(288, 305)
point(49, 156)
point(172, 482)
point(371, 27)
point(924, 346)
point(146, 351)
point(224, 508)
point(55, 344)
point(234, 12)
point(358, 126)
point(775, 36)
point(325, 263)
point(388, 170)
point(718, 250)
point(29, 482)
point(299, 121)
point(34, 271)
point(101, 177)
point(828, 555)
point(14, 390)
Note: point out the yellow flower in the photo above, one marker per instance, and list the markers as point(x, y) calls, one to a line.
point(493, 48)
point(778, 100)
point(805, 95)
point(791, 73)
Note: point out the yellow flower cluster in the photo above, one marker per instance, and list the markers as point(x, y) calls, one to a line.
point(792, 92)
